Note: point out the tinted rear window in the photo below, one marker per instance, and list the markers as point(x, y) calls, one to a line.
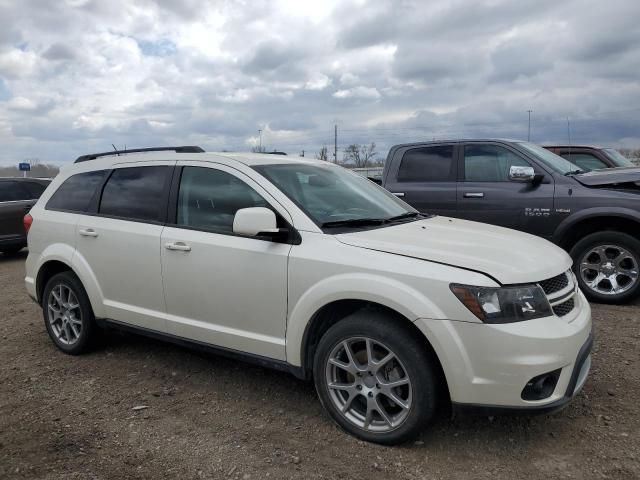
point(427, 164)
point(12, 191)
point(35, 189)
point(135, 193)
point(76, 192)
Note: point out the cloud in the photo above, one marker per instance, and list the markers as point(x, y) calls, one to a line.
point(78, 75)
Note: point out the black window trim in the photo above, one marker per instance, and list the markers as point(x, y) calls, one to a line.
point(454, 164)
point(293, 238)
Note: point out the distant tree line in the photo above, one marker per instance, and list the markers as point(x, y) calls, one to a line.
point(354, 155)
point(38, 170)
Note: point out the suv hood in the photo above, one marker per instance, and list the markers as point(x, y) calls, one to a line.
point(610, 176)
point(506, 255)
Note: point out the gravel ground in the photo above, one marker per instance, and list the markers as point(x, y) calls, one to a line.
point(138, 408)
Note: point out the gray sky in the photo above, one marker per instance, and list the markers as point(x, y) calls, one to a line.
point(79, 75)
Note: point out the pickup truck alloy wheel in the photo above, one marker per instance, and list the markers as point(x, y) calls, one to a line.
point(65, 316)
point(609, 269)
point(368, 384)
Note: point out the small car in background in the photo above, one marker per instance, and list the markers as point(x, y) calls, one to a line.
point(589, 157)
point(17, 196)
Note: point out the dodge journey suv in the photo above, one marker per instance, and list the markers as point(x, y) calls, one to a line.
point(306, 267)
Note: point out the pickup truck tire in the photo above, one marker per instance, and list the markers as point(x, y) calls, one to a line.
point(68, 315)
point(375, 378)
point(607, 266)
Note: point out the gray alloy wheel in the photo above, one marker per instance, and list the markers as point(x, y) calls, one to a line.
point(609, 269)
point(64, 314)
point(368, 384)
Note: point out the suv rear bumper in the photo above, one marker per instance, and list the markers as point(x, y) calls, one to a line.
point(487, 366)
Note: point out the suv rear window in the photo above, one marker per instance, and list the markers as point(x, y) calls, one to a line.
point(427, 164)
point(76, 192)
point(135, 193)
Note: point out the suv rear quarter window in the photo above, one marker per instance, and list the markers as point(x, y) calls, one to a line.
point(76, 192)
point(136, 193)
point(427, 164)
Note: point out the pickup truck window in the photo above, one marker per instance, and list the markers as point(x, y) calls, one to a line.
point(489, 163)
point(209, 199)
point(551, 160)
point(617, 158)
point(427, 164)
point(330, 194)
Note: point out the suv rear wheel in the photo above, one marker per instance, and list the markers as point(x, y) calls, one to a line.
point(607, 266)
point(375, 378)
point(68, 315)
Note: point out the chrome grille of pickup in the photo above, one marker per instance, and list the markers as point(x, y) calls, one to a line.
point(555, 284)
point(564, 308)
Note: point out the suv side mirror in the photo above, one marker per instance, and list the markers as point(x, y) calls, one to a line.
point(521, 174)
point(254, 221)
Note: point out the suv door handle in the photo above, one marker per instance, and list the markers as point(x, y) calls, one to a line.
point(88, 232)
point(179, 246)
point(398, 194)
point(474, 195)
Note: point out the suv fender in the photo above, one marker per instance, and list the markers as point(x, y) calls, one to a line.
point(589, 213)
point(390, 293)
point(90, 283)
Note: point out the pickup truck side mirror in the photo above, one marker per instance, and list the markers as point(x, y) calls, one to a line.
point(521, 174)
point(254, 221)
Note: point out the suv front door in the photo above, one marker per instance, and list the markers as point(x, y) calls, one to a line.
point(221, 288)
point(485, 193)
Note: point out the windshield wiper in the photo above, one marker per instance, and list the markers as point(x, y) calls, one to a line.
point(354, 222)
point(576, 172)
point(403, 216)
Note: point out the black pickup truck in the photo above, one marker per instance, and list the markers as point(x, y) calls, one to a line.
point(594, 215)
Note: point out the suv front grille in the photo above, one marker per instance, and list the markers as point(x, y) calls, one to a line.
point(555, 284)
point(564, 308)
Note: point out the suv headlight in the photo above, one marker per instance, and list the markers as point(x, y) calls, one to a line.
point(505, 304)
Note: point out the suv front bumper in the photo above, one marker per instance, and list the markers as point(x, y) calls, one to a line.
point(487, 366)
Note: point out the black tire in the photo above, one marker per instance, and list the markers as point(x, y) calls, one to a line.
point(85, 340)
point(414, 359)
point(606, 238)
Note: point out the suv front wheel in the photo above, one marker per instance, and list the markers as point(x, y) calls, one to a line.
point(606, 265)
point(375, 378)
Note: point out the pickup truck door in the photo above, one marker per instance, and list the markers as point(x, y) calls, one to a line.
point(222, 288)
point(425, 177)
point(485, 193)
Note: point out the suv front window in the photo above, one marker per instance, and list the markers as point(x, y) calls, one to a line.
point(331, 194)
point(551, 160)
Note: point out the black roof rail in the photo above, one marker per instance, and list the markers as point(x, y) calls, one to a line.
point(183, 149)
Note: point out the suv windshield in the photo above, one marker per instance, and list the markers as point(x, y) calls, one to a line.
point(617, 158)
point(335, 197)
point(553, 161)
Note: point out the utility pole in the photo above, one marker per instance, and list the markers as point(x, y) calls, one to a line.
point(335, 144)
point(303, 153)
point(529, 129)
point(260, 135)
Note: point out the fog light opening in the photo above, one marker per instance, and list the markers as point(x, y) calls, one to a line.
point(542, 386)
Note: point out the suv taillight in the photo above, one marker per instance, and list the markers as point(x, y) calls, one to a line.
point(28, 221)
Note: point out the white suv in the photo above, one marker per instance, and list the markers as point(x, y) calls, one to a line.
point(304, 266)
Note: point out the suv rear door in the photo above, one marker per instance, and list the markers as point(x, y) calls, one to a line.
point(15, 203)
point(485, 193)
point(425, 177)
point(120, 241)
